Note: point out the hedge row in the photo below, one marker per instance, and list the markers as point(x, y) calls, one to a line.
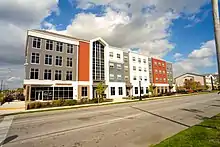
point(63, 102)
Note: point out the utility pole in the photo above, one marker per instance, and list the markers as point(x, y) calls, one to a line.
point(216, 21)
point(1, 85)
point(140, 90)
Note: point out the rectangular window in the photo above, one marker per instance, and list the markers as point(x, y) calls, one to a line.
point(140, 77)
point(144, 60)
point(145, 70)
point(111, 65)
point(48, 60)
point(163, 71)
point(47, 74)
point(160, 79)
point(134, 59)
point(125, 58)
point(126, 78)
point(136, 90)
point(69, 49)
point(157, 79)
point(69, 62)
point(120, 90)
point(159, 63)
point(58, 75)
point(139, 60)
point(112, 90)
point(135, 78)
point(145, 78)
point(119, 77)
point(59, 47)
point(139, 68)
point(69, 75)
point(118, 56)
point(118, 66)
point(112, 77)
point(36, 43)
point(147, 91)
point(160, 71)
point(163, 64)
point(142, 90)
point(84, 91)
point(59, 60)
point(34, 73)
point(111, 54)
point(155, 63)
point(35, 58)
point(49, 45)
point(126, 67)
point(156, 71)
point(134, 67)
point(164, 79)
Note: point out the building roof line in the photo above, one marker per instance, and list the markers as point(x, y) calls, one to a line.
point(189, 74)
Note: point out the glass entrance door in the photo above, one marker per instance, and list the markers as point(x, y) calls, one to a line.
point(39, 96)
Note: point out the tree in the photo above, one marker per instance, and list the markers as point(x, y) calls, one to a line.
point(151, 89)
point(100, 90)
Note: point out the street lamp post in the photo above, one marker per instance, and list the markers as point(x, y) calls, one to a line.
point(140, 90)
point(217, 34)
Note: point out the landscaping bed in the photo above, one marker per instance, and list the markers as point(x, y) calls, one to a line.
point(63, 102)
point(205, 134)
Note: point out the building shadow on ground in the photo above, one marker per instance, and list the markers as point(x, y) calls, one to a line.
point(8, 139)
point(192, 110)
point(215, 105)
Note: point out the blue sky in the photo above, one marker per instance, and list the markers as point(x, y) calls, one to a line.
point(175, 30)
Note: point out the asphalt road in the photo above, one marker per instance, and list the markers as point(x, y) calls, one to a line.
point(124, 125)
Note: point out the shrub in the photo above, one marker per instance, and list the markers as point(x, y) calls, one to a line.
point(45, 104)
point(84, 101)
point(70, 102)
point(20, 97)
point(56, 103)
point(9, 98)
point(38, 105)
point(31, 105)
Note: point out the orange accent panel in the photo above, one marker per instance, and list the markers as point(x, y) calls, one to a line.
point(161, 68)
point(83, 61)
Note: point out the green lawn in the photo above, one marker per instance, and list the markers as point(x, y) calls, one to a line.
point(206, 134)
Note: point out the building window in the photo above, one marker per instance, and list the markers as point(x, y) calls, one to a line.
point(48, 59)
point(145, 78)
point(111, 54)
point(135, 78)
point(139, 60)
point(145, 70)
point(120, 90)
point(112, 90)
point(112, 76)
point(156, 79)
point(84, 91)
point(119, 77)
point(59, 47)
point(163, 64)
point(63, 92)
point(142, 90)
point(49, 45)
point(58, 75)
point(69, 48)
point(136, 90)
point(159, 63)
point(139, 68)
point(134, 59)
point(126, 67)
point(36, 42)
point(34, 73)
point(144, 60)
point(134, 67)
point(69, 75)
point(164, 79)
point(58, 60)
point(47, 74)
point(156, 71)
point(118, 56)
point(160, 71)
point(126, 78)
point(118, 66)
point(155, 63)
point(111, 65)
point(35, 58)
point(140, 77)
point(147, 91)
point(69, 62)
point(125, 58)
point(160, 79)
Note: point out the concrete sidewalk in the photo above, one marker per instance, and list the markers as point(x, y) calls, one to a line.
point(12, 107)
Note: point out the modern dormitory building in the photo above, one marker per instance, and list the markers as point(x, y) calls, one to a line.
point(60, 66)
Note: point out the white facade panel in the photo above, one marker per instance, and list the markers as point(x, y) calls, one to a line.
point(116, 53)
point(116, 85)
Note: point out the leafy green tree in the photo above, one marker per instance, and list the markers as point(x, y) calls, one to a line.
point(100, 90)
point(151, 89)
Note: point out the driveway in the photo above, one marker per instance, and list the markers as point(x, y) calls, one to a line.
point(124, 125)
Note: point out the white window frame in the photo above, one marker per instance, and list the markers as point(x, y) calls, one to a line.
point(134, 68)
point(135, 78)
point(112, 76)
point(57, 72)
point(140, 69)
point(49, 45)
point(33, 42)
point(35, 58)
point(119, 77)
point(69, 46)
point(59, 59)
point(59, 44)
point(48, 72)
point(118, 56)
point(133, 59)
point(111, 65)
point(111, 54)
point(68, 74)
point(48, 60)
point(34, 74)
point(119, 66)
point(68, 62)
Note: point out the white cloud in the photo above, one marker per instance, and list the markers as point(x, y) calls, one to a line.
point(197, 59)
point(178, 56)
point(16, 16)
